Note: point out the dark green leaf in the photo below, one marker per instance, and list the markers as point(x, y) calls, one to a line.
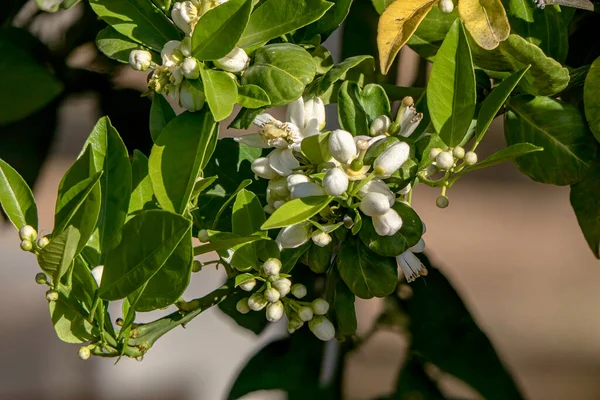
point(343, 307)
point(318, 258)
point(221, 92)
point(381, 5)
point(340, 72)
point(290, 257)
point(329, 22)
point(252, 96)
point(142, 195)
point(414, 382)
point(56, 258)
point(591, 98)
point(351, 115)
point(16, 198)
point(117, 46)
point(253, 321)
point(585, 200)
point(248, 214)
point(161, 114)
point(296, 211)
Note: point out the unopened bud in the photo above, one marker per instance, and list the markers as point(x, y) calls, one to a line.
point(275, 311)
point(374, 204)
point(387, 224)
point(272, 295)
point(42, 242)
point(299, 291)
point(190, 68)
point(242, 306)
point(342, 146)
point(335, 182)
point(305, 313)
point(84, 353)
point(269, 209)
point(362, 144)
point(248, 285)
point(320, 306)
point(444, 160)
point(433, 153)
point(203, 236)
point(442, 202)
point(262, 168)
point(283, 286)
point(191, 98)
point(26, 245)
point(28, 232)
point(236, 61)
point(293, 236)
point(41, 278)
point(348, 221)
point(321, 238)
point(458, 152)
point(391, 159)
point(52, 295)
point(470, 158)
point(272, 266)
point(380, 125)
point(295, 324)
point(140, 60)
point(257, 302)
point(197, 266)
point(446, 6)
point(119, 322)
point(322, 328)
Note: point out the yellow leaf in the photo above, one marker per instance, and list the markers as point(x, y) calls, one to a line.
point(396, 25)
point(485, 20)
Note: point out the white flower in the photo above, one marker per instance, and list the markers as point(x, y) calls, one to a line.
point(446, 6)
point(140, 60)
point(190, 68)
point(185, 15)
point(320, 306)
point(236, 61)
point(309, 117)
point(342, 146)
point(335, 182)
point(410, 120)
point(391, 159)
point(410, 264)
point(272, 295)
point(444, 160)
point(387, 224)
point(306, 189)
point(191, 98)
point(378, 186)
point(171, 54)
point(322, 328)
point(262, 168)
point(283, 286)
point(283, 161)
point(374, 204)
point(272, 266)
point(275, 311)
point(321, 238)
point(299, 291)
point(97, 274)
point(294, 236)
point(305, 313)
point(380, 125)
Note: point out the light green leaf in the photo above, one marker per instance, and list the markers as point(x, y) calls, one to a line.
point(54, 5)
point(221, 91)
point(274, 18)
point(149, 239)
point(56, 258)
point(316, 148)
point(556, 126)
point(248, 214)
point(340, 72)
point(68, 319)
point(228, 242)
point(117, 46)
point(282, 70)
point(16, 198)
point(296, 211)
point(142, 195)
point(351, 115)
point(161, 113)
point(367, 274)
point(591, 98)
point(252, 96)
point(451, 96)
point(140, 21)
point(585, 200)
point(220, 29)
point(179, 154)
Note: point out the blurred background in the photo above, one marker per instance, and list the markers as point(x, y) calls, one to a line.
point(511, 247)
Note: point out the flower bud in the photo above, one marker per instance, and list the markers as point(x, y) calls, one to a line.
point(242, 306)
point(275, 311)
point(190, 68)
point(41, 278)
point(320, 306)
point(306, 189)
point(140, 60)
point(171, 54)
point(257, 302)
point(203, 235)
point(444, 160)
point(283, 286)
point(378, 186)
point(387, 224)
point(191, 98)
point(279, 186)
point(446, 6)
point(248, 285)
point(185, 15)
point(458, 152)
point(348, 221)
point(84, 353)
point(42, 242)
point(269, 209)
point(322, 328)
point(26, 245)
point(380, 125)
point(28, 232)
point(335, 182)
point(278, 203)
point(262, 168)
point(97, 274)
point(272, 266)
point(295, 324)
point(297, 178)
point(405, 190)
point(293, 236)
point(392, 159)
point(373, 204)
point(342, 146)
point(299, 291)
point(442, 202)
point(52, 295)
point(470, 158)
point(236, 61)
point(321, 238)
point(433, 153)
point(314, 109)
point(197, 266)
point(305, 313)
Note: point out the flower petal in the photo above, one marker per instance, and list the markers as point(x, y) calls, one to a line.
point(294, 112)
point(283, 161)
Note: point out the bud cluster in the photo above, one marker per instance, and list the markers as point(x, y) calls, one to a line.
point(30, 241)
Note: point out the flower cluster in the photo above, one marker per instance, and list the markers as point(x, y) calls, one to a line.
point(272, 296)
point(355, 172)
point(179, 72)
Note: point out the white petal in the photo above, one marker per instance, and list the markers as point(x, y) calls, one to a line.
point(297, 178)
point(387, 224)
point(261, 167)
point(283, 161)
point(262, 119)
point(374, 204)
point(306, 189)
point(311, 128)
point(411, 266)
point(253, 140)
point(335, 182)
point(294, 236)
point(294, 113)
point(392, 159)
point(419, 247)
point(314, 113)
point(342, 146)
point(379, 186)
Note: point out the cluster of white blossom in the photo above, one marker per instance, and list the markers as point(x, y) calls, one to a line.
point(345, 175)
point(178, 67)
point(272, 296)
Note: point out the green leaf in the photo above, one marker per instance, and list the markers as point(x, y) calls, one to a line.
point(351, 115)
point(282, 70)
point(56, 258)
point(149, 239)
point(556, 126)
point(111, 156)
point(591, 95)
point(246, 116)
point(496, 99)
point(142, 195)
point(329, 22)
point(340, 72)
point(220, 29)
point(117, 46)
point(381, 5)
point(252, 96)
point(464, 351)
point(318, 258)
point(345, 312)
point(221, 92)
point(405, 238)
point(179, 154)
point(290, 257)
point(431, 32)
point(585, 200)
point(508, 153)
point(16, 198)
point(274, 18)
point(296, 211)
point(451, 95)
point(68, 319)
point(161, 113)
point(248, 214)
point(27, 85)
point(140, 21)
point(224, 242)
point(414, 382)
point(201, 185)
point(367, 274)
point(316, 148)
point(253, 321)
point(54, 5)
